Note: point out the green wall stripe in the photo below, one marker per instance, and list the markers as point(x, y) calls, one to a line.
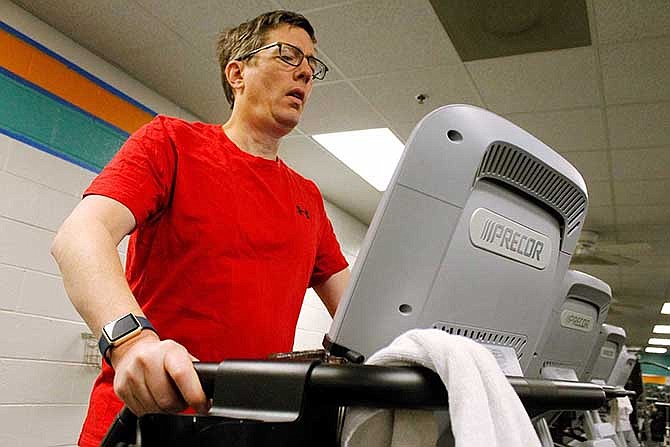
point(34, 114)
point(657, 358)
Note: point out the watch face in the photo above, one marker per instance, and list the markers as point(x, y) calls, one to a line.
point(121, 327)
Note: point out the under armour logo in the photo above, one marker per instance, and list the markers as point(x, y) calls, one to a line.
point(302, 212)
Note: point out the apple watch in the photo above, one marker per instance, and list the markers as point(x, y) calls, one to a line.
point(121, 330)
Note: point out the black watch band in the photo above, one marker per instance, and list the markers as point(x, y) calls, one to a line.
point(120, 330)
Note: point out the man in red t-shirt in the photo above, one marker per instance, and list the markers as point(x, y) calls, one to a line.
point(225, 238)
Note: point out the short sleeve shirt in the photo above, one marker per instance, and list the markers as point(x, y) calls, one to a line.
point(224, 248)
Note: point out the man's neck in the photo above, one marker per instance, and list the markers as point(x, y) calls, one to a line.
point(251, 139)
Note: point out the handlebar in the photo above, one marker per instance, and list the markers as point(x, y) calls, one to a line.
point(286, 382)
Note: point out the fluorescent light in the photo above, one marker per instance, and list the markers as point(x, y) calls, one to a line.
point(656, 350)
point(666, 308)
point(372, 153)
point(659, 341)
point(661, 329)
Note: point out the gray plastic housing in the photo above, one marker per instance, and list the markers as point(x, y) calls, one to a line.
point(622, 368)
point(605, 352)
point(573, 328)
point(465, 173)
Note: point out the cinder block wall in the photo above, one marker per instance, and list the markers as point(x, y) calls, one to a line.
point(44, 381)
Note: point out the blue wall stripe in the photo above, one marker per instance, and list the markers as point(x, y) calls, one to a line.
point(81, 71)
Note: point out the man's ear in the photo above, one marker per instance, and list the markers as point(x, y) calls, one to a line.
point(235, 74)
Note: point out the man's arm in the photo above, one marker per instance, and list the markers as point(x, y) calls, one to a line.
point(147, 369)
point(332, 290)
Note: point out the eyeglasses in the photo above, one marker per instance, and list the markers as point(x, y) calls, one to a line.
point(293, 56)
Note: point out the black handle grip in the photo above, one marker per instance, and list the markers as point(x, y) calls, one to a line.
point(397, 387)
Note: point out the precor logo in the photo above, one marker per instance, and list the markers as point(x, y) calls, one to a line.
point(574, 320)
point(495, 233)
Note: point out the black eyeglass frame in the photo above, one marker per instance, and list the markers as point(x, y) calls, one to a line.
point(279, 45)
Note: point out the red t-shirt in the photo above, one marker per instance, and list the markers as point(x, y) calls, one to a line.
point(225, 246)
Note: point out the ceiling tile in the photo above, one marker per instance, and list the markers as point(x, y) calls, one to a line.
point(337, 108)
point(201, 22)
point(641, 164)
point(394, 94)
point(642, 233)
point(649, 264)
point(639, 125)
point(636, 71)
point(647, 192)
point(202, 77)
point(642, 285)
point(626, 20)
point(110, 29)
point(530, 82)
point(607, 273)
point(645, 215)
point(403, 129)
point(598, 216)
point(217, 111)
point(381, 36)
point(337, 182)
point(600, 193)
point(304, 6)
point(334, 73)
point(592, 165)
point(565, 130)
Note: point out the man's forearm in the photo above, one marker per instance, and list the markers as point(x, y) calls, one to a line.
point(92, 272)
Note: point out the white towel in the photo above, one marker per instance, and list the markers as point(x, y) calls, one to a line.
point(483, 407)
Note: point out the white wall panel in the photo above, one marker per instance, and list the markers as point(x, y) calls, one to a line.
point(32, 337)
point(4, 149)
point(55, 425)
point(45, 295)
point(46, 169)
point(18, 198)
point(314, 319)
point(25, 246)
point(10, 286)
point(349, 231)
point(53, 207)
point(14, 427)
point(305, 340)
point(39, 382)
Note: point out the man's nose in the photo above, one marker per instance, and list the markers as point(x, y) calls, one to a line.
point(304, 71)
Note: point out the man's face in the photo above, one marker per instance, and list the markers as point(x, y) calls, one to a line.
point(275, 93)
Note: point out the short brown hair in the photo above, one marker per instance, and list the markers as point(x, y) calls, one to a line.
point(250, 35)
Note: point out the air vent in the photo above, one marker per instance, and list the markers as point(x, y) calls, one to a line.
point(514, 166)
point(553, 364)
point(486, 336)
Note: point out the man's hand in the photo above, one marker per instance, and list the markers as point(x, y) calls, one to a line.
point(156, 376)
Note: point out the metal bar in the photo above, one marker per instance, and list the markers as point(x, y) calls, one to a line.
point(417, 387)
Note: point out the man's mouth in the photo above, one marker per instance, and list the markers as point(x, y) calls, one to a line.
point(297, 93)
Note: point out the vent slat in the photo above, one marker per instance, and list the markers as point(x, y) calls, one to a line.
point(512, 164)
point(500, 338)
point(532, 169)
point(538, 179)
point(569, 196)
point(553, 186)
point(521, 163)
point(507, 162)
point(502, 150)
point(547, 178)
point(518, 168)
point(560, 189)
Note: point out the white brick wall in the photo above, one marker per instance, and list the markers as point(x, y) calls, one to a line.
point(314, 320)
point(44, 383)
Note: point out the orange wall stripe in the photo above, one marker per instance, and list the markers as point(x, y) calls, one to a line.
point(39, 68)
